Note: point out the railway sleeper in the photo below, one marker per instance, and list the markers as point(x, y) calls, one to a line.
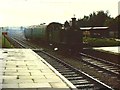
point(118, 70)
point(80, 82)
point(74, 78)
point(97, 64)
point(60, 71)
point(86, 58)
point(56, 64)
point(101, 65)
point(109, 66)
point(66, 70)
point(113, 69)
point(65, 74)
point(60, 68)
point(69, 75)
point(106, 67)
point(85, 86)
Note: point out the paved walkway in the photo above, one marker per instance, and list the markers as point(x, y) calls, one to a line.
point(24, 69)
point(114, 49)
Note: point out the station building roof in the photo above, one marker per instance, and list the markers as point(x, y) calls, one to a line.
point(93, 28)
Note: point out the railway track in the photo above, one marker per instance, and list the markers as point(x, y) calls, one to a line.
point(108, 67)
point(105, 66)
point(80, 79)
point(76, 76)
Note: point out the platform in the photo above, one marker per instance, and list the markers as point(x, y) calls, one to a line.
point(23, 69)
point(115, 49)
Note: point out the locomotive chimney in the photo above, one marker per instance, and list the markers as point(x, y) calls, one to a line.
point(73, 21)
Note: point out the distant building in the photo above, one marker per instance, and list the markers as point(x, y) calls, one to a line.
point(96, 32)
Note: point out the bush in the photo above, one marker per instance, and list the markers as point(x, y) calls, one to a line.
point(6, 43)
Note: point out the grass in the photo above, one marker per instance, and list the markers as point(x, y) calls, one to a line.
point(101, 41)
point(6, 43)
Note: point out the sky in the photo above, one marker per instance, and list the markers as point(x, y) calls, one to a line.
point(34, 12)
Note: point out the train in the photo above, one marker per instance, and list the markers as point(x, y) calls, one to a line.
point(62, 36)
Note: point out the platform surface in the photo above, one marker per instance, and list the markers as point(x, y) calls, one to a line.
point(115, 49)
point(25, 70)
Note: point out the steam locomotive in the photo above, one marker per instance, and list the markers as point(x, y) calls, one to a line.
point(64, 36)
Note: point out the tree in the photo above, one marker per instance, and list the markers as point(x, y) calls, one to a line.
point(66, 24)
point(95, 19)
point(115, 26)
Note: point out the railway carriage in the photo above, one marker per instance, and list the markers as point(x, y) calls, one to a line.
point(54, 32)
point(39, 33)
point(36, 33)
point(28, 33)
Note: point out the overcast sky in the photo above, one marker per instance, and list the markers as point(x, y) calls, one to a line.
point(31, 12)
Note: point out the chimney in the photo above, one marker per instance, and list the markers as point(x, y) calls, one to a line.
point(73, 21)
